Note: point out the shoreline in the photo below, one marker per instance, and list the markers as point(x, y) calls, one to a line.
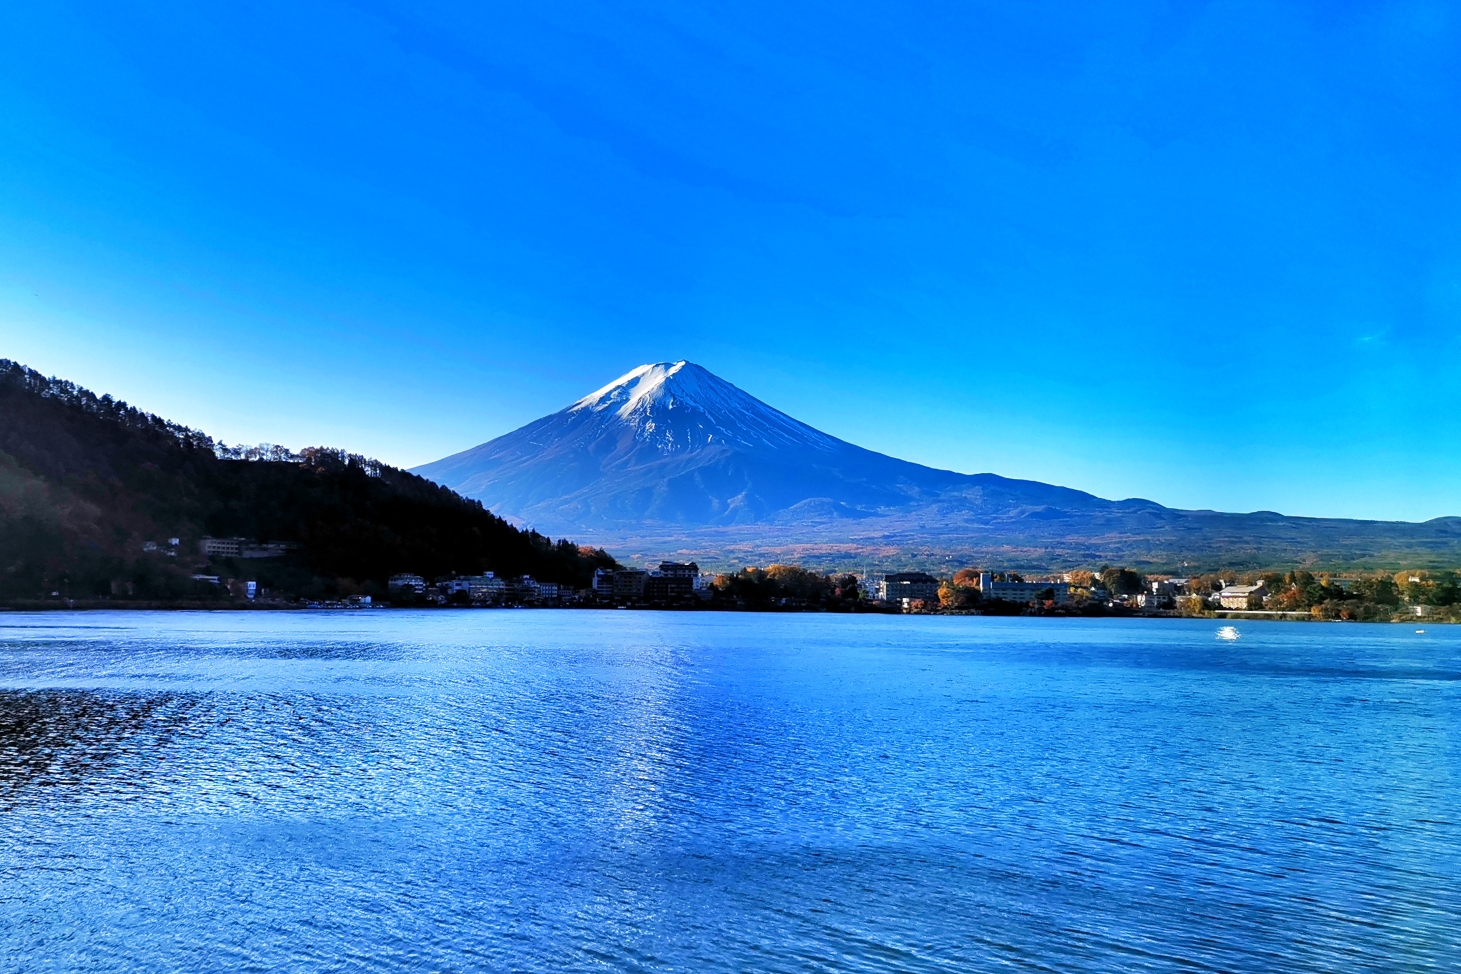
point(1215, 615)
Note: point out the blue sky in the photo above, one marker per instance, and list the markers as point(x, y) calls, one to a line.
point(1208, 254)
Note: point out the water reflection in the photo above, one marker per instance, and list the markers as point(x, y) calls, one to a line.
point(580, 791)
point(60, 739)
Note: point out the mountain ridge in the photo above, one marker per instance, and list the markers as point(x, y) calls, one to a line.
point(87, 482)
point(671, 455)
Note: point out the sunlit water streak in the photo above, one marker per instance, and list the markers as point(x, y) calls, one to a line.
point(550, 791)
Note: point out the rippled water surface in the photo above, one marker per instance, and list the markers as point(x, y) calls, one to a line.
point(572, 791)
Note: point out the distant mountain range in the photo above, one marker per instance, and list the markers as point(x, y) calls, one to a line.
point(670, 458)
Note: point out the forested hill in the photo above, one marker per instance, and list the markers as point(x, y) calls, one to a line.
point(87, 481)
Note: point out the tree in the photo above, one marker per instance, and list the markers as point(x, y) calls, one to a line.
point(1122, 581)
point(845, 588)
point(1381, 591)
point(955, 596)
point(967, 578)
point(774, 583)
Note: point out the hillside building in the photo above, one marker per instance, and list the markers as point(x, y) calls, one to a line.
point(221, 547)
point(243, 548)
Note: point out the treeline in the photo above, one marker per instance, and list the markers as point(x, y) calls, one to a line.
point(788, 585)
point(86, 481)
point(1368, 597)
point(1376, 596)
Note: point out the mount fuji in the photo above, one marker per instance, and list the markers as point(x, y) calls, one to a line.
point(671, 458)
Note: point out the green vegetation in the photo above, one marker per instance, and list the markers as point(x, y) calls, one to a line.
point(787, 585)
point(1429, 594)
point(86, 481)
point(1367, 597)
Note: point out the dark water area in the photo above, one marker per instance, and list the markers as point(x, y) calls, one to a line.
point(634, 791)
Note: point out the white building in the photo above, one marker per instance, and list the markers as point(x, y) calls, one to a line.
point(1022, 592)
point(485, 588)
point(912, 586)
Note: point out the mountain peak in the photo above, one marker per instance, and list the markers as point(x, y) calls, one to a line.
point(669, 455)
point(678, 406)
point(648, 383)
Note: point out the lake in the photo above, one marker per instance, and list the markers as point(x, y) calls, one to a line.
point(651, 791)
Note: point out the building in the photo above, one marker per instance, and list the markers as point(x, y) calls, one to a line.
point(1170, 588)
point(603, 582)
point(485, 588)
point(399, 583)
point(243, 548)
point(266, 549)
point(1023, 592)
point(1163, 594)
point(674, 580)
point(629, 584)
point(908, 585)
point(530, 589)
point(1243, 596)
point(452, 586)
point(221, 547)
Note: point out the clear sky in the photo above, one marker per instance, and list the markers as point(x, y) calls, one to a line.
point(1204, 253)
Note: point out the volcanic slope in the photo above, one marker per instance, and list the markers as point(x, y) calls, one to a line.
point(672, 457)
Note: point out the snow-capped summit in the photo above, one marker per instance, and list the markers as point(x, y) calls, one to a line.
point(672, 443)
point(677, 406)
point(670, 457)
point(637, 386)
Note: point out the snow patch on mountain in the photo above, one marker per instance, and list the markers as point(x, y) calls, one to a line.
point(678, 406)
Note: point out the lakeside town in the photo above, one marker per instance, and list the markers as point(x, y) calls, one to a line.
point(1297, 594)
point(1410, 594)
